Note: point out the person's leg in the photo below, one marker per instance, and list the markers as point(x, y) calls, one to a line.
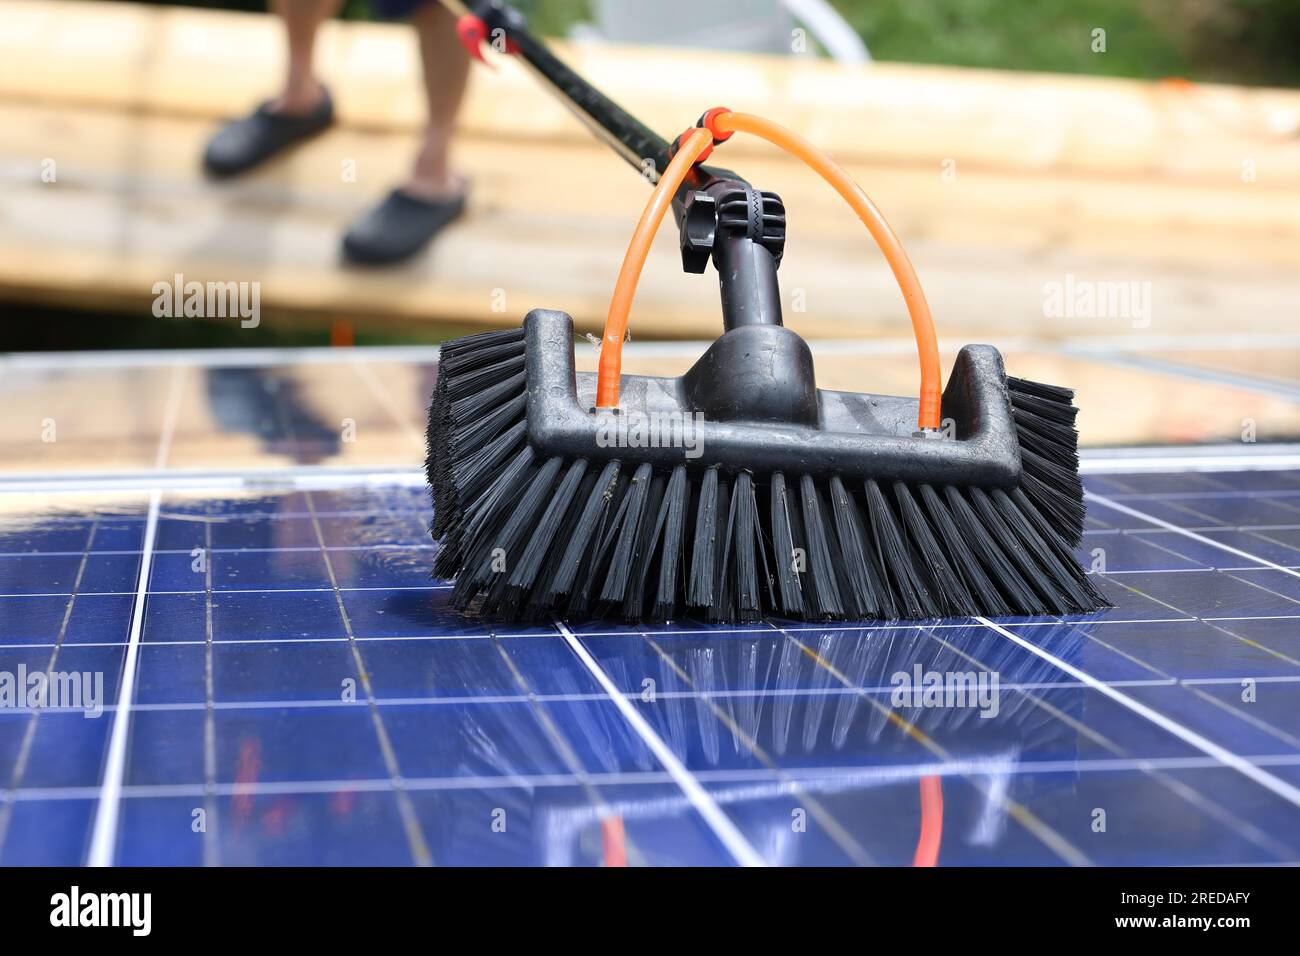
point(433, 196)
point(446, 69)
point(302, 19)
point(302, 110)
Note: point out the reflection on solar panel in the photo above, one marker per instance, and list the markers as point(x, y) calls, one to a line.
point(283, 684)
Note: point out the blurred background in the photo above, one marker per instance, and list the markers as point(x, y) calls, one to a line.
point(1109, 190)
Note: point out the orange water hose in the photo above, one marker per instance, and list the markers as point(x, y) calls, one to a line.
point(611, 348)
point(927, 845)
point(720, 124)
point(613, 841)
point(927, 345)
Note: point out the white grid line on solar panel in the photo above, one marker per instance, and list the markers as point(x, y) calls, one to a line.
point(1218, 811)
point(447, 587)
point(104, 832)
point(730, 633)
point(269, 481)
point(1205, 495)
point(237, 522)
point(1186, 532)
point(128, 552)
point(238, 516)
point(428, 545)
point(411, 825)
point(494, 699)
point(211, 846)
point(723, 827)
point(104, 827)
point(1155, 533)
point(1277, 786)
point(221, 590)
point(234, 517)
point(719, 632)
point(425, 513)
point(1227, 757)
point(876, 775)
point(1140, 535)
point(1187, 509)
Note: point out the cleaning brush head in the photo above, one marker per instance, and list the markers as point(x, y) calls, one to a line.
point(740, 490)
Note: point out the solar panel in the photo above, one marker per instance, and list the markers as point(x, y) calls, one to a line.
point(283, 684)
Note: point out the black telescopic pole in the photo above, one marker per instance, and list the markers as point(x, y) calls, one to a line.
point(640, 146)
point(719, 216)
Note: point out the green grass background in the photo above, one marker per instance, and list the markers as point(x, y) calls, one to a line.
point(1242, 41)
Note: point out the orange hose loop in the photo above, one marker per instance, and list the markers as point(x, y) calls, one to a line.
point(611, 348)
point(717, 126)
point(927, 345)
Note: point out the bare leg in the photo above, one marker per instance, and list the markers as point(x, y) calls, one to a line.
point(302, 18)
point(446, 69)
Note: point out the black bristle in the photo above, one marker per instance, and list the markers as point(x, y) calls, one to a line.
point(943, 581)
point(672, 516)
point(467, 483)
point(821, 582)
point(961, 557)
point(498, 497)
point(584, 537)
point(543, 537)
point(1035, 574)
point(596, 562)
point(985, 546)
point(1056, 393)
point(896, 557)
point(506, 549)
point(1044, 416)
point(463, 361)
point(1048, 548)
point(470, 506)
point(866, 588)
point(722, 605)
point(1064, 553)
point(485, 429)
point(1063, 509)
point(1064, 578)
point(646, 548)
point(559, 585)
point(740, 576)
point(1044, 437)
point(789, 588)
point(700, 592)
point(493, 509)
point(629, 534)
point(481, 379)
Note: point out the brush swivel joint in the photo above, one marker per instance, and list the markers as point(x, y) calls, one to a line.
point(757, 370)
point(742, 230)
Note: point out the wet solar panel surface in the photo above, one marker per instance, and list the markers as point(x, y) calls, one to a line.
point(282, 683)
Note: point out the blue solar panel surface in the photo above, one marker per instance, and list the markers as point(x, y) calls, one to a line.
point(295, 690)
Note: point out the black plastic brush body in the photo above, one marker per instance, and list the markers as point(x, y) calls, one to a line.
point(740, 489)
